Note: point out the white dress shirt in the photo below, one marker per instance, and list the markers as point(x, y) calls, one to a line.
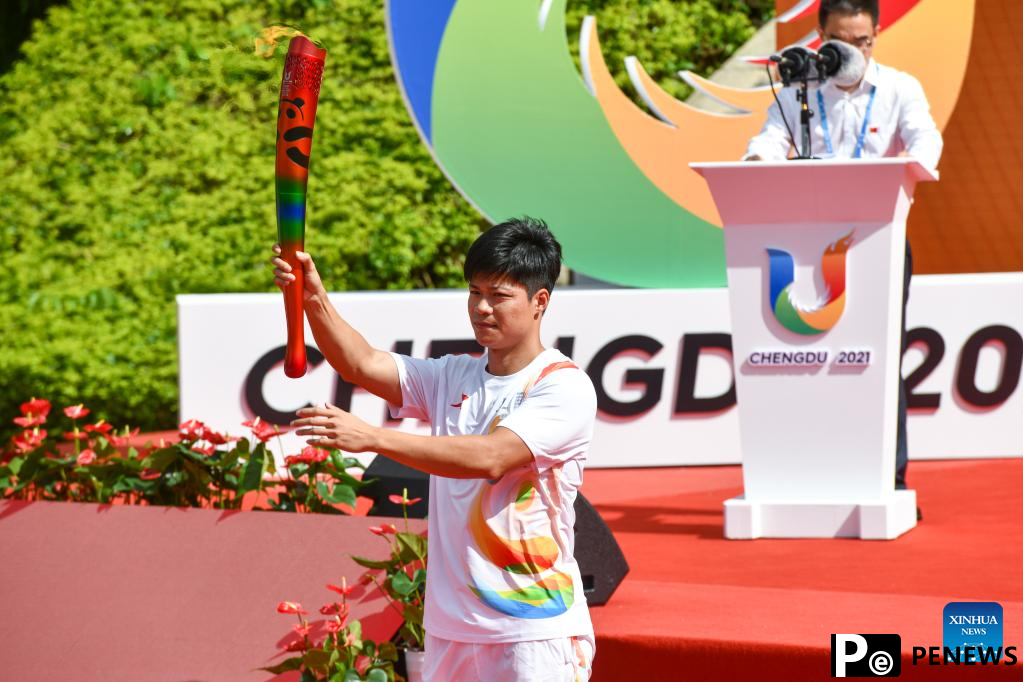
point(900, 120)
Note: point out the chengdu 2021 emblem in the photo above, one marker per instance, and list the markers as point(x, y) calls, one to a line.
point(806, 320)
point(495, 94)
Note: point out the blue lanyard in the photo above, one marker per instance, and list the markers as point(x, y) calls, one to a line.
point(863, 130)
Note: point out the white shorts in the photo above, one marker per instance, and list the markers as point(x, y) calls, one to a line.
point(568, 659)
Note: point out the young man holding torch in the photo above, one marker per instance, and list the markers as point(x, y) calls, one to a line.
point(511, 430)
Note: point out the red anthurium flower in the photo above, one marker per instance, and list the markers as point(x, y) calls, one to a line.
point(366, 578)
point(262, 430)
point(362, 663)
point(149, 474)
point(29, 422)
point(122, 440)
point(207, 450)
point(191, 429)
point(85, 457)
point(314, 454)
point(29, 440)
point(290, 607)
point(385, 529)
point(76, 411)
point(404, 501)
point(211, 436)
point(309, 455)
point(297, 645)
point(75, 435)
point(335, 610)
point(99, 427)
point(345, 589)
point(301, 629)
point(335, 626)
point(36, 407)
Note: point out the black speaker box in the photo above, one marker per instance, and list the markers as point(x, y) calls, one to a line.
point(600, 559)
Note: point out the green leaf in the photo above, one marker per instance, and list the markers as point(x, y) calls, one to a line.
point(29, 467)
point(402, 584)
point(413, 544)
point(252, 477)
point(175, 479)
point(376, 675)
point(372, 563)
point(355, 630)
point(317, 659)
point(351, 676)
point(285, 665)
point(340, 494)
point(160, 459)
point(388, 651)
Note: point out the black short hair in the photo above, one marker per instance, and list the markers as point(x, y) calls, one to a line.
point(848, 7)
point(521, 249)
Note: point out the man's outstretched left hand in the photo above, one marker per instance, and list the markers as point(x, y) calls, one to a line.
point(331, 428)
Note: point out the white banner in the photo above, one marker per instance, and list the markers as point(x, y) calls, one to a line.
point(659, 359)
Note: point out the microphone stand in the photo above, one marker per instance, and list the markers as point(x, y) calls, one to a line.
point(802, 96)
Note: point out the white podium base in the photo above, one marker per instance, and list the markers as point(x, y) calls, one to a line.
point(882, 519)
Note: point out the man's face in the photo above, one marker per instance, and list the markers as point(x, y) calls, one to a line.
point(501, 311)
point(856, 29)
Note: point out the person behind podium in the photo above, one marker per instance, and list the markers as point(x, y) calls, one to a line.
point(885, 113)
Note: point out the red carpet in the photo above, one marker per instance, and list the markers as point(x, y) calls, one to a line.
point(696, 606)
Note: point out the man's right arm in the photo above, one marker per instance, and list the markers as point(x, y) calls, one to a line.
point(350, 354)
point(344, 348)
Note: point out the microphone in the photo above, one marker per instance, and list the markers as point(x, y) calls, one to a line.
point(841, 62)
point(793, 63)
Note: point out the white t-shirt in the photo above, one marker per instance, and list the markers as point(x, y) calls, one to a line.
point(501, 561)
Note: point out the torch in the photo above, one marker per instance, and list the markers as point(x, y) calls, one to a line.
point(296, 115)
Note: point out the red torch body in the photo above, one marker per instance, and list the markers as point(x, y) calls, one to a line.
point(296, 116)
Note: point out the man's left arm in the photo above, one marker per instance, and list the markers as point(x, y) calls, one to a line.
point(552, 424)
point(917, 129)
point(490, 456)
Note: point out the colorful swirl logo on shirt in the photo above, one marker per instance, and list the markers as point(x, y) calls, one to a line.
point(550, 592)
point(495, 95)
point(809, 321)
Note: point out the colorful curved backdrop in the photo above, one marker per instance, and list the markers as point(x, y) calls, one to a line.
point(495, 94)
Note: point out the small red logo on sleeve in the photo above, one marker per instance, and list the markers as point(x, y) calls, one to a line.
point(459, 403)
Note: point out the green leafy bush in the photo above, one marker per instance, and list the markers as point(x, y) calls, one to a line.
point(80, 461)
point(138, 159)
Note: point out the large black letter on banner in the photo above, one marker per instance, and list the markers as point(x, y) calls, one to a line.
point(652, 379)
point(254, 385)
point(685, 395)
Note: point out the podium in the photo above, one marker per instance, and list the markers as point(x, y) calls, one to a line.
point(815, 254)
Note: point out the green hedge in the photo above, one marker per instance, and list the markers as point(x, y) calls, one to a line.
point(138, 148)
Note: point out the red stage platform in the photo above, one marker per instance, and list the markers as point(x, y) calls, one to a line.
point(698, 607)
point(117, 593)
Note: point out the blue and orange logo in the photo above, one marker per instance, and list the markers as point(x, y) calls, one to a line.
point(819, 319)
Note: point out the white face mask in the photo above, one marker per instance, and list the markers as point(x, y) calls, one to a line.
point(853, 66)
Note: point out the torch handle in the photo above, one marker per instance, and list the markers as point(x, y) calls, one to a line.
point(294, 355)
